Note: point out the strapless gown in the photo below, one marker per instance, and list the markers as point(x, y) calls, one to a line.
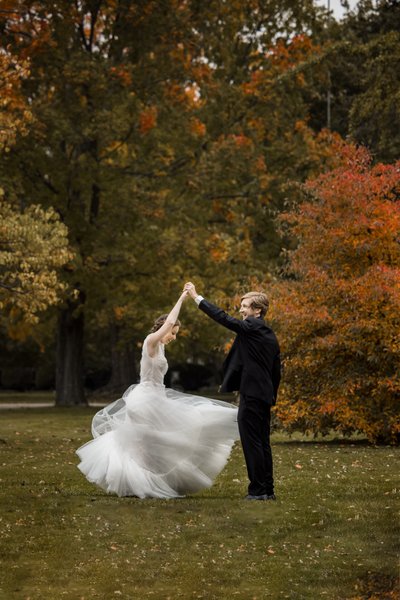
point(156, 442)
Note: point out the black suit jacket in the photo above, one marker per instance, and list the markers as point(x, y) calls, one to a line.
point(253, 364)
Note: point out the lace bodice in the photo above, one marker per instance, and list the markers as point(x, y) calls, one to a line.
point(153, 369)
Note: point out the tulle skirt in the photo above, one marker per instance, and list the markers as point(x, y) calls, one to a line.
point(156, 442)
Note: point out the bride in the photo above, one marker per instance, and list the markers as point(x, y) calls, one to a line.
point(156, 442)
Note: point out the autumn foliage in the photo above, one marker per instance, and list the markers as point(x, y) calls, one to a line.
point(33, 248)
point(15, 115)
point(166, 136)
point(339, 305)
point(33, 241)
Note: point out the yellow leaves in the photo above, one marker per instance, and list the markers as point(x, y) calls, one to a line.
point(119, 312)
point(19, 329)
point(117, 151)
point(34, 245)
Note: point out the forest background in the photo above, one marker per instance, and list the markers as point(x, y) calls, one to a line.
point(248, 144)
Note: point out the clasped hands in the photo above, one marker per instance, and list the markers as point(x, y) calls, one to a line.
point(190, 289)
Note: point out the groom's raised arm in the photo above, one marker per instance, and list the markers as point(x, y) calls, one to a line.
point(214, 312)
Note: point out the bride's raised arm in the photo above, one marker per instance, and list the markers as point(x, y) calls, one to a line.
point(154, 338)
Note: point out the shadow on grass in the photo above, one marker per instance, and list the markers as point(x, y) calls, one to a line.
point(377, 585)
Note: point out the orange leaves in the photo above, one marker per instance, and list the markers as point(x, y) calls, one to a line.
point(258, 80)
point(192, 94)
point(186, 95)
point(122, 74)
point(15, 115)
point(352, 223)
point(285, 54)
point(201, 72)
point(29, 28)
point(181, 55)
point(242, 141)
point(328, 407)
point(260, 165)
point(173, 91)
point(339, 317)
point(219, 247)
point(257, 126)
point(223, 209)
point(119, 312)
point(227, 346)
point(197, 127)
point(147, 119)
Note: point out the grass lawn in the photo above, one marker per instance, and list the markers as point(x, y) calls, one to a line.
point(333, 533)
point(31, 397)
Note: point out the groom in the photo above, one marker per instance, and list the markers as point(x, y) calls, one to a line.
point(253, 368)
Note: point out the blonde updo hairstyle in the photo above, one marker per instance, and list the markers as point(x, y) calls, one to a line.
point(258, 300)
point(159, 322)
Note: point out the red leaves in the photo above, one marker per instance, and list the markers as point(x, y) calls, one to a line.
point(339, 314)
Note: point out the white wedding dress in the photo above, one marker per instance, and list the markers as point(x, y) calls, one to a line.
point(155, 442)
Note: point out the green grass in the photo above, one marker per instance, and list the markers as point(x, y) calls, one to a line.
point(31, 397)
point(333, 532)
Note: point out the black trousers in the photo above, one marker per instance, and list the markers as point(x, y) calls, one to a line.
point(254, 420)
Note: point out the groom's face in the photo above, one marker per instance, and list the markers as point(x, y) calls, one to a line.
point(246, 310)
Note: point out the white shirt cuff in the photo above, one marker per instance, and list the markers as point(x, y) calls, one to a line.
point(198, 299)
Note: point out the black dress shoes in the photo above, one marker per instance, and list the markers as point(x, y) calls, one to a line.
point(262, 497)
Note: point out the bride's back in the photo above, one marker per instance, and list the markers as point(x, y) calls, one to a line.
point(153, 369)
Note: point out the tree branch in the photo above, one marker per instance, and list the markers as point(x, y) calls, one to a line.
point(11, 289)
point(95, 14)
point(14, 32)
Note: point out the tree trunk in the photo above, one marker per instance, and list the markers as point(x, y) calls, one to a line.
point(123, 367)
point(69, 369)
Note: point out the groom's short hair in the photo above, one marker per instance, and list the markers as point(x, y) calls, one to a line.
point(258, 300)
